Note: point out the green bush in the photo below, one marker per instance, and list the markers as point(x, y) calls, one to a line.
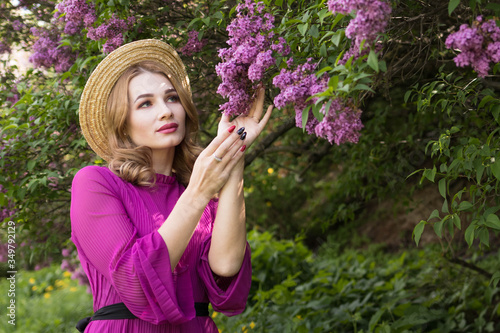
point(369, 291)
point(47, 300)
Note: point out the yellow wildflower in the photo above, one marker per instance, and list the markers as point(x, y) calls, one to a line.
point(46, 295)
point(73, 289)
point(32, 281)
point(66, 274)
point(49, 288)
point(34, 288)
point(270, 171)
point(214, 314)
point(252, 325)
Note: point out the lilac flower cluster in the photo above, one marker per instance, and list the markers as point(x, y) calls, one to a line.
point(250, 54)
point(341, 124)
point(296, 87)
point(4, 47)
point(371, 19)
point(479, 45)
point(17, 25)
point(78, 14)
point(47, 51)
point(193, 45)
point(113, 31)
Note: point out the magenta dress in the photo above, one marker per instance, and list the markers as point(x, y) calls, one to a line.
point(115, 229)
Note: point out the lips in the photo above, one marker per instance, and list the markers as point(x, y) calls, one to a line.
point(168, 128)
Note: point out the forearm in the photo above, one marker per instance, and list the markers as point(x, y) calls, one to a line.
point(178, 228)
point(228, 244)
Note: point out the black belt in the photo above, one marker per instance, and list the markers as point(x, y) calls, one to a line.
point(120, 311)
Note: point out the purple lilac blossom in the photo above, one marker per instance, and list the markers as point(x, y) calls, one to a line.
point(341, 124)
point(193, 45)
point(47, 51)
point(479, 45)
point(113, 31)
point(17, 25)
point(4, 47)
point(244, 63)
point(371, 19)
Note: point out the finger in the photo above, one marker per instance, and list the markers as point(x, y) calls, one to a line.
point(267, 116)
point(222, 151)
point(258, 104)
point(238, 154)
point(225, 118)
point(218, 140)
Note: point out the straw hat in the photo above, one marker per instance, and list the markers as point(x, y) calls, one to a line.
point(103, 78)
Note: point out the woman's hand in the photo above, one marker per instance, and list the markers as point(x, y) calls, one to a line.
point(253, 123)
point(215, 163)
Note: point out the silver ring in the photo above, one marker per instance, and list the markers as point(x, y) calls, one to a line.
point(218, 159)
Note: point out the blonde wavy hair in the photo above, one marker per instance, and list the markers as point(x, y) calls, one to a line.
point(134, 163)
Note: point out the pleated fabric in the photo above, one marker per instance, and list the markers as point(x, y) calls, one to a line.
point(114, 226)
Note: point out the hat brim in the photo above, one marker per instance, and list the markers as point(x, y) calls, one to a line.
point(102, 80)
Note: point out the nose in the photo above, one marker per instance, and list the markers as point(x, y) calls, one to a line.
point(164, 111)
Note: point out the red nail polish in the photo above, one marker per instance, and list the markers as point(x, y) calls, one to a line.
point(243, 148)
point(231, 129)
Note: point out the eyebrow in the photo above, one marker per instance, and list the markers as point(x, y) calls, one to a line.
point(168, 91)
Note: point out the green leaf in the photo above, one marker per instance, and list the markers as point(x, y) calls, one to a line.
point(438, 228)
point(279, 3)
point(362, 86)
point(495, 169)
point(484, 236)
point(464, 205)
point(445, 209)
point(495, 111)
point(417, 232)
point(434, 214)
point(372, 61)
point(31, 165)
point(493, 222)
point(407, 96)
point(485, 100)
point(452, 5)
point(442, 187)
point(314, 32)
point(457, 221)
point(495, 279)
point(322, 51)
point(430, 173)
point(303, 28)
point(337, 19)
point(336, 38)
point(469, 234)
point(333, 82)
point(375, 318)
point(305, 116)
point(383, 66)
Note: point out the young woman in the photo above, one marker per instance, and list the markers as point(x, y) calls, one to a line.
point(160, 231)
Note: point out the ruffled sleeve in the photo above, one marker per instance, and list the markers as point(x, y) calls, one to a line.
point(137, 267)
point(227, 295)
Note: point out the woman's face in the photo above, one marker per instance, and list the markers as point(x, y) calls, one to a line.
point(156, 117)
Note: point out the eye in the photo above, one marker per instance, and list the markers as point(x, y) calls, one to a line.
point(144, 104)
point(173, 99)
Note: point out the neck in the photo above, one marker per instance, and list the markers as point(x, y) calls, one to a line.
point(163, 161)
